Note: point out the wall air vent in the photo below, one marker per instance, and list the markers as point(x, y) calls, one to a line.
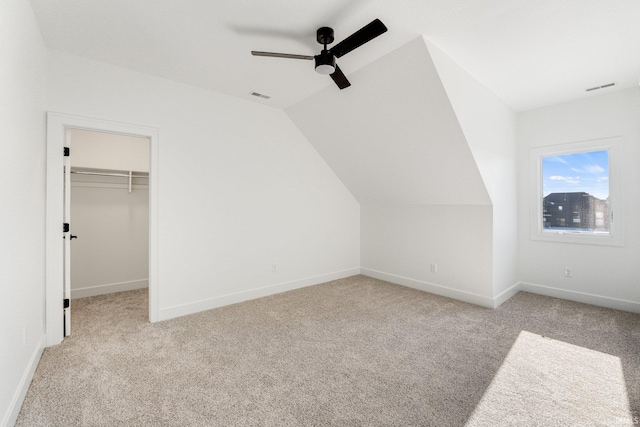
point(600, 87)
point(259, 95)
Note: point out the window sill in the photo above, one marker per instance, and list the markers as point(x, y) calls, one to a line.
point(575, 237)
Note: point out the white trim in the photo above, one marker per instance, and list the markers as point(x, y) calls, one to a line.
point(109, 288)
point(56, 123)
point(503, 297)
point(583, 297)
point(430, 287)
point(23, 386)
point(498, 300)
point(615, 237)
point(210, 303)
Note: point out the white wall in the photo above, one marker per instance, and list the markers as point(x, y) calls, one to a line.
point(102, 150)
point(240, 189)
point(393, 136)
point(400, 242)
point(394, 139)
point(489, 126)
point(22, 195)
point(603, 275)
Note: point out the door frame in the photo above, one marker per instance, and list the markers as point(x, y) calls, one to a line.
point(54, 253)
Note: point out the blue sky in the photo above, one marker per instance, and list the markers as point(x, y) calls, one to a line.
point(569, 173)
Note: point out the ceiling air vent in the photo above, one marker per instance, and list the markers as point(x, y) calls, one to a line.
point(600, 87)
point(259, 95)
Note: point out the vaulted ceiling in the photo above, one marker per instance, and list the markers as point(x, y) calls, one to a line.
point(529, 53)
point(405, 146)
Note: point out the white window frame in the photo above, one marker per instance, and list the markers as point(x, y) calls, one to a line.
point(615, 236)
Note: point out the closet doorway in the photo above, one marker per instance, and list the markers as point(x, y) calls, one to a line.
point(92, 173)
point(109, 213)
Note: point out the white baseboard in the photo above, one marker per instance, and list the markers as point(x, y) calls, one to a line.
point(18, 398)
point(430, 287)
point(210, 303)
point(599, 300)
point(501, 298)
point(109, 288)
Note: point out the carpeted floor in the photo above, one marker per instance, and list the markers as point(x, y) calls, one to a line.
point(353, 352)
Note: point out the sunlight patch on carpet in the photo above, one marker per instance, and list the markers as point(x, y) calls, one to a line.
point(547, 382)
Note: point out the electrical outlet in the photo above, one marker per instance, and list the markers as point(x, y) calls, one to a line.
point(24, 336)
point(434, 268)
point(274, 267)
point(568, 272)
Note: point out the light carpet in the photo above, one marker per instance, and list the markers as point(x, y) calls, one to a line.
point(551, 383)
point(352, 352)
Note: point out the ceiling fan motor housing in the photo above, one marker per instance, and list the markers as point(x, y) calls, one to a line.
point(325, 62)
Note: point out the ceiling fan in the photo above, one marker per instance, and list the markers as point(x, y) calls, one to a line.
point(326, 60)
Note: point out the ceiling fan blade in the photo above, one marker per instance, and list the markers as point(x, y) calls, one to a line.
point(281, 55)
point(340, 79)
point(360, 37)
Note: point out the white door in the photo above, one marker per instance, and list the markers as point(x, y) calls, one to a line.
point(67, 235)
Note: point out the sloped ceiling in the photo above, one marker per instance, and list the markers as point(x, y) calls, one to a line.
point(529, 53)
point(394, 138)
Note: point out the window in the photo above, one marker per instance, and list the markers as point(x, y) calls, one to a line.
point(574, 192)
point(581, 182)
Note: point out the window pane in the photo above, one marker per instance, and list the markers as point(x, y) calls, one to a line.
point(575, 191)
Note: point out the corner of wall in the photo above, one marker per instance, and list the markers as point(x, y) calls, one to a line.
point(489, 127)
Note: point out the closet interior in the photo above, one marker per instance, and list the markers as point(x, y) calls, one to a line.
point(109, 213)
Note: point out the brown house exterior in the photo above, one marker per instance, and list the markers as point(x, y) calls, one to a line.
point(578, 210)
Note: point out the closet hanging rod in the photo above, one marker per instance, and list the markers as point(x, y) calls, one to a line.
point(126, 175)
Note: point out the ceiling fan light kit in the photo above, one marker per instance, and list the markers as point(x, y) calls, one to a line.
point(325, 62)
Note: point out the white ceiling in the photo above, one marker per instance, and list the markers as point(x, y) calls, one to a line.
point(529, 53)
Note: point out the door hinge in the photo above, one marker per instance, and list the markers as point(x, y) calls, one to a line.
point(65, 227)
point(67, 151)
point(65, 303)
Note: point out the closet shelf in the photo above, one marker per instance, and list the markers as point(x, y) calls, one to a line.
point(102, 172)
